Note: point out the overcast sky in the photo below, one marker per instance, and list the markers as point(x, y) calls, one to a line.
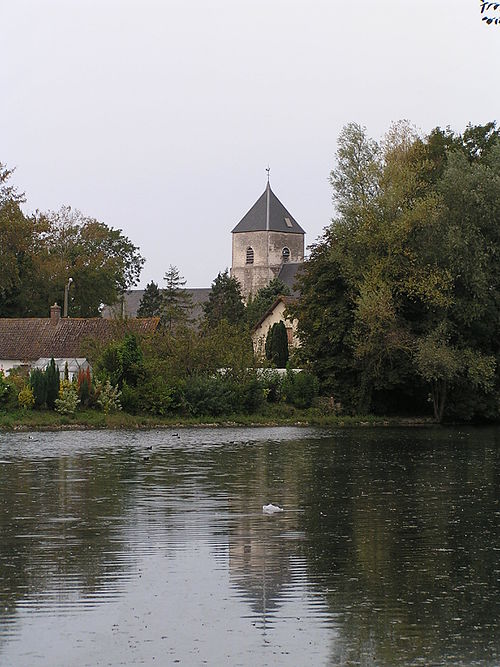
point(159, 117)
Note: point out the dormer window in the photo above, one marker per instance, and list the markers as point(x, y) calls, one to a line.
point(249, 256)
point(285, 254)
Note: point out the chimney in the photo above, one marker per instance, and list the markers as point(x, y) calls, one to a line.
point(55, 314)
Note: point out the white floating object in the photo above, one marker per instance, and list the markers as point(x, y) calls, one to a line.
point(271, 509)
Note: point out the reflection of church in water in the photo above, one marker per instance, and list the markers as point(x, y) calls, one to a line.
point(262, 549)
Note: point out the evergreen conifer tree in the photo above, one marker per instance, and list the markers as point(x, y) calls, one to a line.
point(177, 302)
point(277, 345)
point(151, 302)
point(224, 301)
point(52, 383)
point(38, 384)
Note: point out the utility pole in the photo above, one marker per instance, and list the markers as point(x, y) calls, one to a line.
point(66, 291)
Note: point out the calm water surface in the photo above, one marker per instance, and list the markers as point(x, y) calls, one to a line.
point(120, 548)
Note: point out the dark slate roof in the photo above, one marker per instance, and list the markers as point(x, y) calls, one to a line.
point(255, 219)
point(28, 339)
point(133, 300)
point(288, 273)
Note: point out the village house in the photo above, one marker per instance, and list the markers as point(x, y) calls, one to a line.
point(276, 313)
point(32, 342)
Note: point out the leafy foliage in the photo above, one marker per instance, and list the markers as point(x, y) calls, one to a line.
point(38, 384)
point(26, 398)
point(68, 399)
point(121, 361)
point(401, 294)
point(4, 388)
point(84, 386)
point(39, 253)
point(108, 397)
point(300, 389)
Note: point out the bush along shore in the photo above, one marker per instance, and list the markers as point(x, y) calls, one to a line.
point(124, 393)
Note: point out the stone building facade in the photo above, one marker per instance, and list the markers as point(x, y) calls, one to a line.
point(265, 241)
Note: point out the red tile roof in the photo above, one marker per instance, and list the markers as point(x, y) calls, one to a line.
point(28, 339)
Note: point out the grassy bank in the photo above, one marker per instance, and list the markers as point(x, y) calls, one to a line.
point(275, 415)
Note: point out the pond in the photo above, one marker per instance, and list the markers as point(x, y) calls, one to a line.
point(125, 548)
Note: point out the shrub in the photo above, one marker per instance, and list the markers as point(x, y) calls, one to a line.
point(251, 395)
point(26, 398)
point(122, 361)
point(4, 388)
point(273, 386)
point(209, 395)
point(38, 383)
point(68, 398)
point(52, 384)
point(159, 396)
point(300, 389)
point(84, 384)
point(277, 345)
point(108, 397)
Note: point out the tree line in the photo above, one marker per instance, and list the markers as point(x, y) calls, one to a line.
point(41, 251)
point(400, 305)
point(400, 297)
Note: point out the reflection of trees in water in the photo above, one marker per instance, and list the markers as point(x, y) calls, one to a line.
point(405, 546)
point(58, 523)
point(401, 531)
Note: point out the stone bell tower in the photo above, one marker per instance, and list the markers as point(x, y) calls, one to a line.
point(265, 241)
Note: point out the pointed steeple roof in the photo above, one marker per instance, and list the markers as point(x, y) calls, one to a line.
point(268, 213)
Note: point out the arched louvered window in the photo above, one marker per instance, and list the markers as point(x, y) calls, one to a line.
point(249, 255)
point(285, 254)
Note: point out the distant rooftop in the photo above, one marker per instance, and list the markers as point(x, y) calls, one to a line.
point(133, 298)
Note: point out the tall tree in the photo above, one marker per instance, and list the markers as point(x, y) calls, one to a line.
point(39, 253)
point(17, 243)
point(101, 260)
point(224, 301)
point(52, 381)
point(151, 302)
point(403, 287)
point(177, 302)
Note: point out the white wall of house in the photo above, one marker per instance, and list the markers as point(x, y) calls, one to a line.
point(260, 333)
point(6, 365)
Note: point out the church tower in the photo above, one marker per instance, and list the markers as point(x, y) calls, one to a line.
point(267, 243)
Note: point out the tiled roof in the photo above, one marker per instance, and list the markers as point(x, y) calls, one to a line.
point(256, 218)
point(27, 339)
